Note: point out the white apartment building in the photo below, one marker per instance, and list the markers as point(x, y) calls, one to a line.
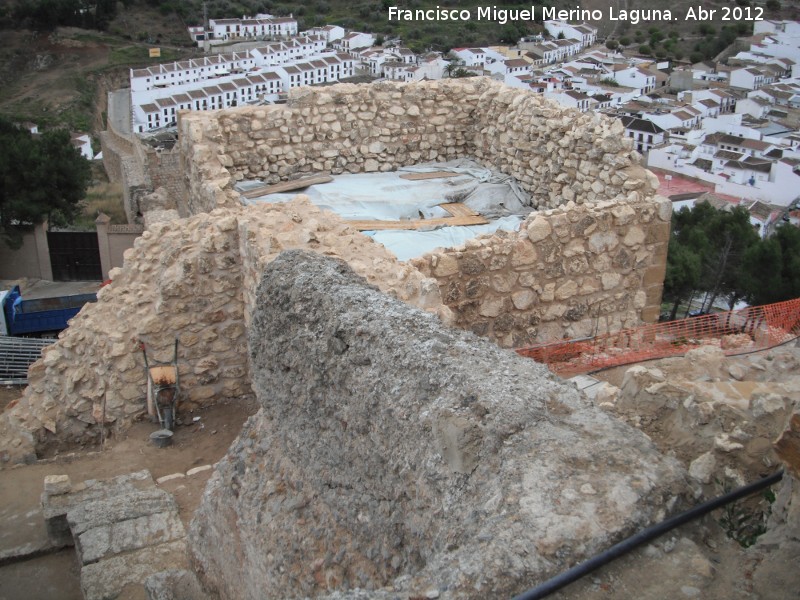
point(233, 79)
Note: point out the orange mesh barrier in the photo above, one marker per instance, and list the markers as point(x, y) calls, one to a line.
point(736, 332)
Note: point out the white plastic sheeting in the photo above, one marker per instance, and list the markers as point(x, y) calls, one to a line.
point(389, 197)
point(408, 244)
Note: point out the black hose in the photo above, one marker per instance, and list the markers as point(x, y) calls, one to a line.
point(636, 540)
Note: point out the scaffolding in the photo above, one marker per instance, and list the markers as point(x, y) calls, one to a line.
point(766, 326)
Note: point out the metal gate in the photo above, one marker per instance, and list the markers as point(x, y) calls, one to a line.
point(74, 255)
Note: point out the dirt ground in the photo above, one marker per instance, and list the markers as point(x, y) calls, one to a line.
point(196, 443)
point(697, 560)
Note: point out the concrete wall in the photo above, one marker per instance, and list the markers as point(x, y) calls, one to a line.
point(113, 241)
point(30, 260)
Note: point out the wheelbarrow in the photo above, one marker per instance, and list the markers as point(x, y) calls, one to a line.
point(163, 387)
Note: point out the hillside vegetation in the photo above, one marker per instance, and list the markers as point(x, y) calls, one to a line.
point(59, 57)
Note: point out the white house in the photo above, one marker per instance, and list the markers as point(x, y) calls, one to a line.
point(726, 99)
point(585, 34)
point(749, 78)
point(262, 26)
point(353, 41)
point(82, 143)
point(398, 71)
point(572, 99)
point(472, 57)
point(645, 134)
point(430, 67)
point(635, 77)
point(233, 79)
point(757, 107)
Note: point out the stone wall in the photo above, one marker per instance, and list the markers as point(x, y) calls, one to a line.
point(142, 169)
point(408, 459)
point(557, 154)
point(572, 272)
point(123, 166)
point(592, 260)
point(191, 279)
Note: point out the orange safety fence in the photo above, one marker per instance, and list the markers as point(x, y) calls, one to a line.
point(736, 332)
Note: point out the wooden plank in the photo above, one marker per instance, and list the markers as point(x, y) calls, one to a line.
point(431, 175)
point(459, 210)
point(287, 186)
point(462, 216)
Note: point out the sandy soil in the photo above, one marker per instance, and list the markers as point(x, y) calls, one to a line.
point(197, 443)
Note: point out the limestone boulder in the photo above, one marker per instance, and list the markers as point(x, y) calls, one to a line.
point(392, 454)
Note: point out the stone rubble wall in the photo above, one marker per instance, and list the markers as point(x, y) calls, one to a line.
point(557, 154)
point(571, 272)
point(593, 260)
point(164, 172)
point(141, 170)
point(125, 166)
point(192, 279)
point(718, 414)
point(402, 457)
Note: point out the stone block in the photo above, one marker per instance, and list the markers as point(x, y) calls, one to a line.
point(174, 584)
point(55, 485)
point(492, 306)
point(539, 229)
point(120, 537)
point(566, 290)
point(446, 265)
point(107, 578)
point(523, 299)
point(446, 404)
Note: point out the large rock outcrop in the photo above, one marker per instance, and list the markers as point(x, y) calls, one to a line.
point(393, 453)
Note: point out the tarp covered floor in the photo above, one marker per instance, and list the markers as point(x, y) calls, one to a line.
point(389, 197)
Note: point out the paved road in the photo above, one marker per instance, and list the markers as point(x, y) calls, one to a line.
point(119, 110)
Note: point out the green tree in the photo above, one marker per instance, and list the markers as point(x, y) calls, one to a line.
point(731, 235)
point(683, 274)
point(41, 178)
point(716, 242)
point(772, 268)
